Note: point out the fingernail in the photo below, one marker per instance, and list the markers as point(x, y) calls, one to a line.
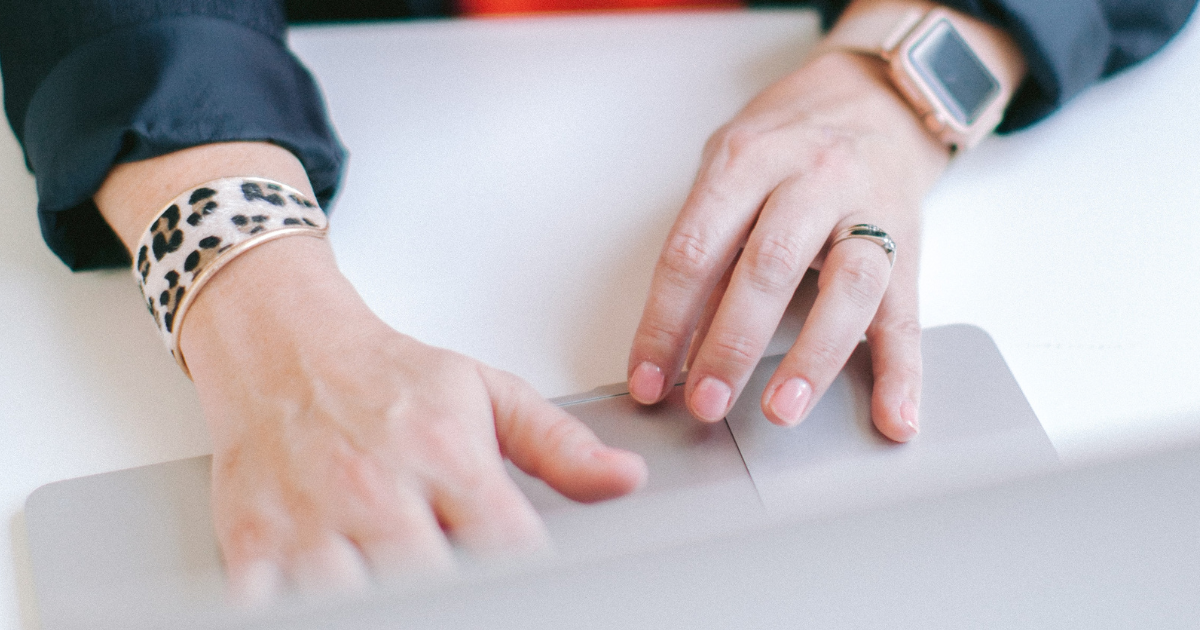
point(646, 383)
point(908, 413)
point(790, 400)
point(711, 399)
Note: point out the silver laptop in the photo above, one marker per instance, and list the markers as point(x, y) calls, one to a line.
point(742, 524)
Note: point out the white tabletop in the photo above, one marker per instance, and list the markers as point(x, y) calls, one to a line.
point(511, 183)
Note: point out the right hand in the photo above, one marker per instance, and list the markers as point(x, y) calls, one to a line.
point(345, 449)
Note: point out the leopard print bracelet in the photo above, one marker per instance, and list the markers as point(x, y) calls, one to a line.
point(205, 228)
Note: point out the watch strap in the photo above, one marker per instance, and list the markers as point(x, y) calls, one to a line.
point(880, 28)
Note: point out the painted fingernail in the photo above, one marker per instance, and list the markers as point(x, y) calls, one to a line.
point(908, 413)
point(711, 399)
point(790, 401)
point(646, 383)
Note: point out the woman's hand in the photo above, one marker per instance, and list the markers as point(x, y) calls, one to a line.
point(343, 448)
point(830, 146)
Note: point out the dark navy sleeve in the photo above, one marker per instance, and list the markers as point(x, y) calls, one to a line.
point(1068, 44)
point(91, 83)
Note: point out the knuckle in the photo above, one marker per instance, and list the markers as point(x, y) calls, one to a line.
point(902, 337)
point(561, 433)
point(862, 281)
point(438, 449)
point(732, 139)
point(452, 363)
point(248, 535)
point(910, 372)
point(835, 148)
point(774, 264)
point(731, 349)
point(738, 140)
point(228, 462)
point(715, 142)
point(739, 148)
point(836, 157)
point(468, 478)
point(359, 478)
point(688, 256)
point(826, 355)
point(508, 389)
point(662, 334)
point(907, 329)
point(905, 372)
point(452, 462)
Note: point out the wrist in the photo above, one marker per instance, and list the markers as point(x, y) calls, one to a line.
point(266, 311)
point(994, 43)
point(134, 193)
point(956, 72)
point(133, 197)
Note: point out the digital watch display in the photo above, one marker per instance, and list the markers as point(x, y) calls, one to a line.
point(958, 85)
point(953, 72)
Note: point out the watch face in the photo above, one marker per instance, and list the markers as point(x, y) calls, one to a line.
point(961, 82)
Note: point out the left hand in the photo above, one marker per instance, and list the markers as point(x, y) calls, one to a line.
point(827, 147)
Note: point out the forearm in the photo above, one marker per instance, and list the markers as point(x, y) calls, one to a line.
point(288, 286)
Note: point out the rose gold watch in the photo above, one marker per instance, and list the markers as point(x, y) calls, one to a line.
point(957, 73)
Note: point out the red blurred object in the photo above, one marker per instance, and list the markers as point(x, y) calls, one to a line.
point(512, 7)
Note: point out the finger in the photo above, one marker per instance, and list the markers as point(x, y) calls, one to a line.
point(250, 547)
point(851, 285)
point(328, 563)
point(714, 221)
point(405, 538)
point(548, 443)
point(762, 284)
point(385, 514)
point(255, 582)
point(488, 514)
point(895, 340)
point(710, 312)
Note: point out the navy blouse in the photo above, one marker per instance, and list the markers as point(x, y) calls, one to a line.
point(92, 83)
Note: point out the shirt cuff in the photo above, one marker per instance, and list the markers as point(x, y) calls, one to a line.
point(1065, 44)
point(151, 89)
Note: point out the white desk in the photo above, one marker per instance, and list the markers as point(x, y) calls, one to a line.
point(511, 183)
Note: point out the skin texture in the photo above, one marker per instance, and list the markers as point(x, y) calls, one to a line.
point(343, 448)
point(829, 146)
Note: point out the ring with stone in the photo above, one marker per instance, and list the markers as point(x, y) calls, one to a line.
point(871, 233)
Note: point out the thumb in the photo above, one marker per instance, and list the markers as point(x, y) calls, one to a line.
point(548, 443)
